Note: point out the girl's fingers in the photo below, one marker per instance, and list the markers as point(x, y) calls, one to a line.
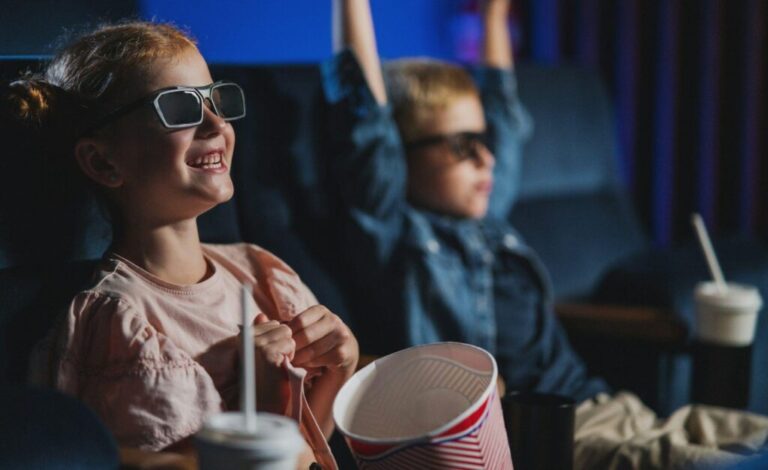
point(276, 340)
point(264, 327)
point(311, 335)
point(317, 330)
point(315, 349)
point(275, 352)
point(307, 317)
point(339, 357)
point(335, 337)
point(271, 329)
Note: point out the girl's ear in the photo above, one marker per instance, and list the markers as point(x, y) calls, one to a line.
point(93, 160)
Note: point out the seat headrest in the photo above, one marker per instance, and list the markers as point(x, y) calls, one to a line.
point(573, 148)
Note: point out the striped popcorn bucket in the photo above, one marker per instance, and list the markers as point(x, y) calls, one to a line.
point(427, 407)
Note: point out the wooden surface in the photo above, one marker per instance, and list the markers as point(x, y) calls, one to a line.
point(621, 322)
point(137, 459)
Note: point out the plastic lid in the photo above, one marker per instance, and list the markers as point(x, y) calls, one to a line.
point(273, 433)
point(736, 295)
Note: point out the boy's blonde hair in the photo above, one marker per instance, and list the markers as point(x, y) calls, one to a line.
point(418, 87)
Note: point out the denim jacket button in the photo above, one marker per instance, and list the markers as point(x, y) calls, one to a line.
point(433, 246)
point(510, 241)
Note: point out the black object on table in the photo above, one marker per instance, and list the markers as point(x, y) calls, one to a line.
point(540, 429)
point(721, 374)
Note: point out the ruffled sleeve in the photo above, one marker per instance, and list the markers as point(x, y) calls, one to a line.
point(147, 391)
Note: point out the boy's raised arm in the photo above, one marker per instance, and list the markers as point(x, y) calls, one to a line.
point(509, 124)
point(353, 28)
point(497, 44)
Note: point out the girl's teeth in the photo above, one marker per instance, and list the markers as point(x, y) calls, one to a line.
point(208, 161)
point(211, 165)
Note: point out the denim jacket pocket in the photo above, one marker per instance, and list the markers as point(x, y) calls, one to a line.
point(446, 301)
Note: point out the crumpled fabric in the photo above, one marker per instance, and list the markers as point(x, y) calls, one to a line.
point(620, 432)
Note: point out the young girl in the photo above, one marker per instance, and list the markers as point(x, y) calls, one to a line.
point(152, 346)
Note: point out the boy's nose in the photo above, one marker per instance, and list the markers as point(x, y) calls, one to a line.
point(484, 157)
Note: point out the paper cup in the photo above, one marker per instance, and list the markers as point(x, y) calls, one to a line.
point(224, 443)
point(729, 318)
point(426, 407)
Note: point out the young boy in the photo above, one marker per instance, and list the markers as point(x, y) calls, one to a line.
point(426, 168)
point(428, 173)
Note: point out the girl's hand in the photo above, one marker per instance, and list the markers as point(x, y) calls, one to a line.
point(324, 341)
point(272, 343)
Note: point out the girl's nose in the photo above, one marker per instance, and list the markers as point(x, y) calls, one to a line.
point(212, 123)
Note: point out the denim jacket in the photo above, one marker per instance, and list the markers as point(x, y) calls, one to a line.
point(420, 277)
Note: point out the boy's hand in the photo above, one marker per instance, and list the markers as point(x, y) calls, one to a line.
point(353, 28)
point(272, 343)
point(495, 6)
point(324, 341)
point(497, 47)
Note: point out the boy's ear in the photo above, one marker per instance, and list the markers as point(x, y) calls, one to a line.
point(92, 157)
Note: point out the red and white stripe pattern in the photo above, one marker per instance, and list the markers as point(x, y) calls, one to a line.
point(389, 407)
point(479, 442)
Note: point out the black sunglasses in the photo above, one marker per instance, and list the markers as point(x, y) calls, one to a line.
point(179, 107)
point(464, 145)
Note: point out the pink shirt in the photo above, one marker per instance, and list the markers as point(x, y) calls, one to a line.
point(153, 359)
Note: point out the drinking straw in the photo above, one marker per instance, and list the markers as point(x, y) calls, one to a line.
point(248, 384)
point(709, 252)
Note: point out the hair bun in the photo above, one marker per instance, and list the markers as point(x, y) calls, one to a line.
point(30, 100)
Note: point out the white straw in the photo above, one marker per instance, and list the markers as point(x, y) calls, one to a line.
point(709, 252)
point(248, 384)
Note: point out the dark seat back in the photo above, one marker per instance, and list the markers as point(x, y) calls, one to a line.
point(46, 430)
point(32, 297)
point(44, 217)
point(572, 209)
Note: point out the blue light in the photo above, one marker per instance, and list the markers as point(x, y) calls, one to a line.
point(296, 31)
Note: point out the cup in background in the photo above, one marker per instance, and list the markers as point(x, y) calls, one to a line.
point(224, 443)
point(540, 429)
point(727, 318)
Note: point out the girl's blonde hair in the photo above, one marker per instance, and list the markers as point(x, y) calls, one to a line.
point(101, 66)
point(92, 73)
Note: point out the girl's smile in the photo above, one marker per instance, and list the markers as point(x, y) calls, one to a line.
point(210, 162)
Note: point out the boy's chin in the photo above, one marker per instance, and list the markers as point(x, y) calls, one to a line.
point(476, 211)
point(468, 211)
point(461, 213)
point(477, 215)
